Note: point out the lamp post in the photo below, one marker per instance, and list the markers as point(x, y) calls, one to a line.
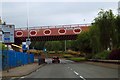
point(28, 39)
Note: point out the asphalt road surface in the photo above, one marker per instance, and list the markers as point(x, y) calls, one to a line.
point(70, 69)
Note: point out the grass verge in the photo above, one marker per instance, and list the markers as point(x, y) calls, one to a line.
point(77, 59)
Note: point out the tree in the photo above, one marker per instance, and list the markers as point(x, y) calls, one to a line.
point(83, 42)
point(53, 45)
point(106, 24)
point(117, 22)
point(2, 46)
point(95, 38)
point(37, 45)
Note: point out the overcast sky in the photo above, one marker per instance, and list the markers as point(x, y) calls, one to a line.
point(53, 13)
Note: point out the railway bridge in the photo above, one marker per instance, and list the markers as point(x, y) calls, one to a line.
point(50, 33)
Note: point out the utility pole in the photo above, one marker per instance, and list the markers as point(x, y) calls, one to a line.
point(28, 39)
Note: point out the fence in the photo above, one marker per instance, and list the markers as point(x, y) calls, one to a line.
point(12, 58)
point(0, 60)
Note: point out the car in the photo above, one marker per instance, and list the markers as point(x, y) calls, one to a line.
point(55, 59)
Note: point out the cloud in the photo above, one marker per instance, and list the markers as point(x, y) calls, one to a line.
point(54, 13)
point(60, 0)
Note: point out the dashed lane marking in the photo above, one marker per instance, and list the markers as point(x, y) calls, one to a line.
point(82, 77)
point(76, 73)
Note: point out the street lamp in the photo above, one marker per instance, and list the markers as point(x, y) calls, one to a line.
point(28, 42)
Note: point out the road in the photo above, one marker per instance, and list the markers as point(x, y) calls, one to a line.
point(70, 69)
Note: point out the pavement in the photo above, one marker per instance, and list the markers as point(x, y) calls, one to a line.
point(21, 70)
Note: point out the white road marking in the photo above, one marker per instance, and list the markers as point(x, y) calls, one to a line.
point(82, 77)
point(76, 73)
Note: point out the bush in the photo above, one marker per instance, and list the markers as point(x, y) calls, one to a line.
point(35, 51)
point(115, 54)
point(51, 52)
point(67, 56)
point(60, 52)
point(73, 52)
point(88, 55)
point(2, 46)
point(102, 55)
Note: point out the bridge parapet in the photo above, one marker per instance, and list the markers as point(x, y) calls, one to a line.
point(58, 26)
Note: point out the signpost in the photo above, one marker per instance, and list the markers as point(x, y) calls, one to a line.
point(24, 47)
point(28, 42)
point(45, 51)
point(7, 37)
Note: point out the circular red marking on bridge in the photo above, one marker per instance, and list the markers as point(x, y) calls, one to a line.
point(61, 31)
point(33, 32)
point(77, 30)
point(47, 32)
point(19, 33)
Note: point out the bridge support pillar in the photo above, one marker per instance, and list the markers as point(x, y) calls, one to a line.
point(65, 45)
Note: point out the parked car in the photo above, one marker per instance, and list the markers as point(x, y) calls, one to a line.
point(55, 59)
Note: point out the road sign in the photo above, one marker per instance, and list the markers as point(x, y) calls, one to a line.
point(7, 32)
point(6, 37)
point(28, 42)
point(24, 47)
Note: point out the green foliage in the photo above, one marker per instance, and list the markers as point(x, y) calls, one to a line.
point(83, 42)
point(37, 45)
point(94, 38)
point(67, 56)
point(53, 45)
point(102, 55)
point(2, 46)
point(51, 52)
point(117, 22)
point(74, 45)
point(106, 25)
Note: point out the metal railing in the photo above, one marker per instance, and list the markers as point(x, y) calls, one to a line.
point(58, 26)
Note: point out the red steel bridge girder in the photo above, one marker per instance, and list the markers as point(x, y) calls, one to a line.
point(48, 34)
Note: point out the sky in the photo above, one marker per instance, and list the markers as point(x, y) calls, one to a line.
point(52, 13)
